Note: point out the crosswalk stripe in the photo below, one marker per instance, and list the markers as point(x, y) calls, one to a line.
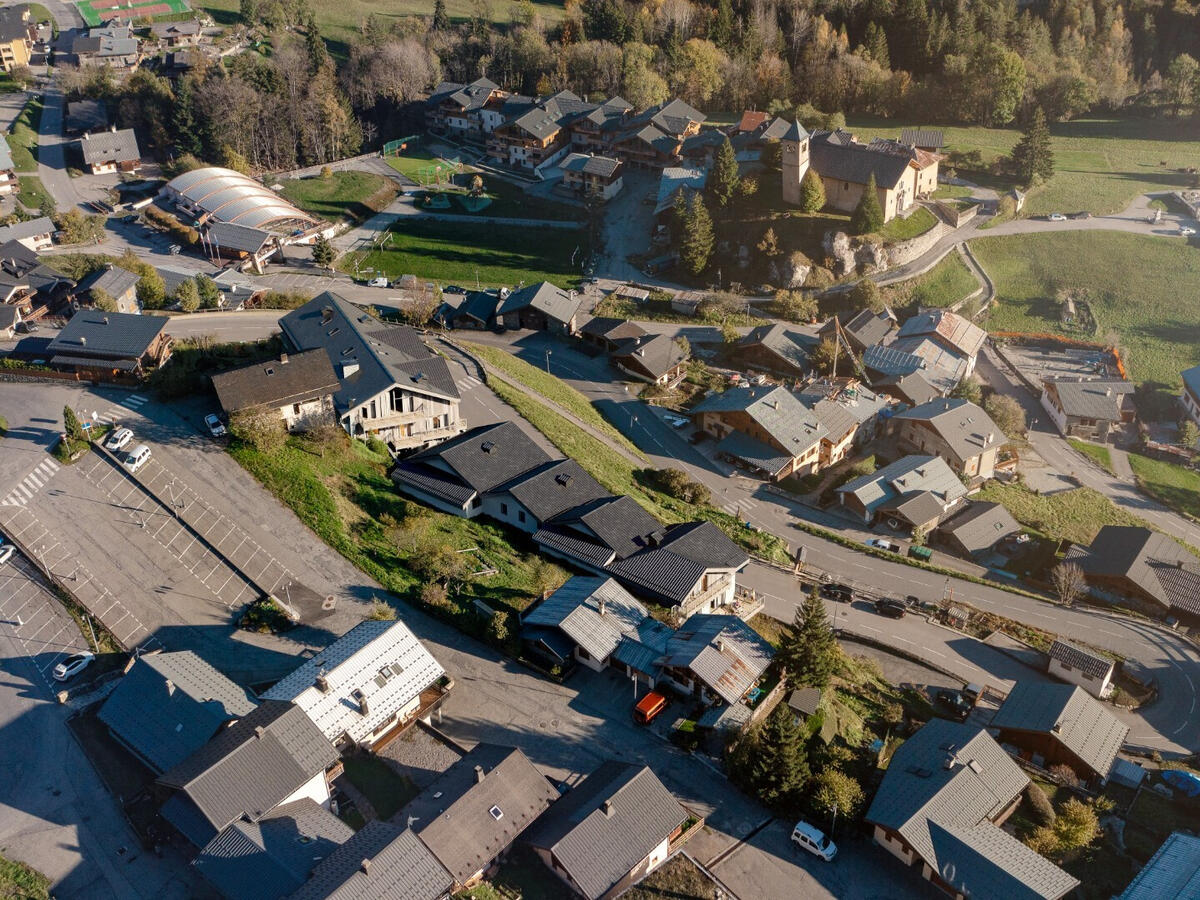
point(32, 481)
point(44, 470)
point(24, 490)
point(53, 465)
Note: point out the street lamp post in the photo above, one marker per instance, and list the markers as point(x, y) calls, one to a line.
point(547, 360)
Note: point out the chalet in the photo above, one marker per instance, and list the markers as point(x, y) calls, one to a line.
point(34, 234)
point(1145, 565)
point(607, 334)
point(849, 411)
point(949, 331)
point(911, 387)
point(946, 791)
point(777, 349)
point(865, 329)
point(475, 810)
point(674, 181)
point(104, 346)
point(763, 429)
point(592, 177)
point(976, 530)
point(381, 861)
point(253, 246)
point(112, 44)
point(28, 285)
point(541, 307)
point(16, 37)
point(1190, 398)
point(176, 34)
point(111, 282)
point(366, 687)
point(892, 367)
point(1059, 724)
point(272, 756)
point(913, 493)
point(593, 131)
point(475, 310)
point(300, 386)
point(85, 116)
point(1088, 409)
point(611, 829)
point(110, 151)
point(717, 659)
point(456, 109)
point(168, 705)
point(658, 359)
point(956, 430)
point(392, 386)
point(538, 135)
point(1090, 670)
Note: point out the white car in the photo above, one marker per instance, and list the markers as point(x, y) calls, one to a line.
point(1057, 217)
point(213, 423)
point(6, 553)
point(378, 282)
point(814, 841)
point(119, 439)
point(884, 544)
point(137, 457)
point(1186, 230)
point(73, 665)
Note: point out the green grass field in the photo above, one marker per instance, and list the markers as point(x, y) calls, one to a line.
point(1139, 286)
point(412, 163)
point(387, 790)
point(23, 136)
point(1100, 164)
point(1174, 485)
point(94, 12)
point(902, 229)
point(951, 192)
point(19, 882)
point(1075, 515)
point(32, 194)
point(353, 195)
point(943, 285)
point(449, 252)
point(1101, 456)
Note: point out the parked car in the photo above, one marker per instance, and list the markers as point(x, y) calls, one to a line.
point(893, 609)
point(119, 439)
point(213, 423)
point(954, 704)
point(649, 707)
point(1056, 217)
point(1186, 230)
point(137, 457)
point(73, 665)
point(27, 327)
point(884, 544)
point(453, 289)
point(6, 553)
point(814, 840)
point(839, 592)
point(378, 282)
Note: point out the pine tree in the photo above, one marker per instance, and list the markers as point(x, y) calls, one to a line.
point(71, 424)
point(779, 769)
point(183, 121)
point(721, 31)
point(808, 652)
point(323, 253)
point(1032, 157)
point(441, 20)
point(696, 249)
point(723, 180)
point(910, 36)
point(772, 155)
point(812, 192)
point(868, 215)
point(875, 41)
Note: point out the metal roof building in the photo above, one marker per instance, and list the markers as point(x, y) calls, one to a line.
point(1172, 873)
point(223, 195)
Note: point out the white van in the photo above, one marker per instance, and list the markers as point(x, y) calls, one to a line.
point(814, 841)
point(137, 457)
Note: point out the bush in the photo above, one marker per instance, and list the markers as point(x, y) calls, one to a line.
point(184, 234)
point(266, 617)
point(260, 427)
point(833, 788)
point(282, 300)
point(381, 611)
point(1043, 810)
point(1064, 775)
point(678, 484)
point(378, 447)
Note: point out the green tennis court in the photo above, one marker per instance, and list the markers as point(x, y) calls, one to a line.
point(96, 12)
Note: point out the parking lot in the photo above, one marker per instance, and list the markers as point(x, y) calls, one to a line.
point(36, 619)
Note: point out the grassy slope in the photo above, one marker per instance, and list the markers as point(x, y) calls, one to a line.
point(901, 229)
point(943, 285)
point(1100, 164)
point(454, 252)
point(354, 194)
point(32, 193)
point(1099, 455)
point(553, 389)
point(1176, 486)
point(1075, 515)
point(20, 882)
point(1135, 284)
point(23, 137)
point(616, 474)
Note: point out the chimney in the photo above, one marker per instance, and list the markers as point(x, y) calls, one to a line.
point(1108, 392)
point(83, 340)
point(106, 320)
point(326, 315)
point(601, 604)
point(365, 866)
point(322, 684)
point(113, 128)
point(951, 762)
point(991, 436)
point(720, 645)
point(479, 775)
point(607, 809)
point(170, 688)
point(946, 405)
point(283, 359)
point(259, 731)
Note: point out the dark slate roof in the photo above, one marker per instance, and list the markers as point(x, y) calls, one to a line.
point(106, 146)
point(618, 523)
point(475, 809)
point(113, 280)
point(246, 770)
point(486, 457)
point(613, 329)
point(232, 236)
point(17, 259)
point(93, 333)
point(1087, 661)
point(656, 355)
point(554, 488)
point(956, 332)
point(1150, 559)
point(478, 305)
point(671, 569)
point(795, 132)
point(965, 427)
point(432, 482)
point(600, 166)
point(277, 382)
point(387, 355)
point(397, 867)
point(546, 298)
point(13, 26)
point(922, 137)
point(805, 700)
point(607, 824)
point(844, 160)
point(594, 612)
point(754, 452)
point(791, 345)
point(574, 545)
point(1070, 715)
point(980, 526)
point(913, 388)
point(8, 315)
point(722, 651)
point(945, 813)
point(654, 138)
point(268, 859)
point(674, 117)
point(175, 29)
point(170, 704)
point(1092, 399)
point(866, 328)
point(1172, 873)
point(468, 96)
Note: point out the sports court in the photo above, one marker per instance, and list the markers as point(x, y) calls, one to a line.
point(96, 12)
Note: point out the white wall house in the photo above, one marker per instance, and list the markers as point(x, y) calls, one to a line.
point(1091, 671)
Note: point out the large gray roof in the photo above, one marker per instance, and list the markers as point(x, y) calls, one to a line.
point(1070, 715)
point(555, 488)
point(277, 382)
point(229, 196)
point(980, 526)
point(843, 160)
point(386, 355)
point(246, 770)
point(594, 612)
point(1087, 661)
point(588, 164)
point(484, 458)
point(957, 332)
point(617, 522)
point(960, 423)
point(790, 344)
point(1092, 399)
point(169, 705)
point(900, 480)
point(1173, 873)
point(475, 809)
point(607, 824)
point(113, 280)
point(86, 115)
point(106, 146)
point(19, 231)
point(91, 332)
point(656, 355)
point(942, 366)
point(722, 651)
point(922, 137)
point(1151, 560)
point(671, 568)
point(232, 236)
point(546, 298)
point(944, 812)
point(268, 859)
point(793, 426)
point(867, 327)
point(380, 862)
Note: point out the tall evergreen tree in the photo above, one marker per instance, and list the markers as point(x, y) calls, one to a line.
point(1032, 157)
point(721, 30)
point(183, 121)
point(909, 36)
point(71, 424)
point(808, 651)
point(441, 20)
point(723, 180)
point(696, 248)
point(779, 770)
point(812, 192)
point(877, 46)
point(868, 215)
point(323, 253)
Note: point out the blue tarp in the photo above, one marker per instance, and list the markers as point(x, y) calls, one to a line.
point(1183, 781)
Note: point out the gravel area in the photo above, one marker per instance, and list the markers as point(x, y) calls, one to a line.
point(420, 756)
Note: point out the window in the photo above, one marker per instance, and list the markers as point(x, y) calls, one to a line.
point(521, 516)
point(496, 813)
point(504, 509)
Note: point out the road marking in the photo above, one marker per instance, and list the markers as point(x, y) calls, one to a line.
point(133, 401)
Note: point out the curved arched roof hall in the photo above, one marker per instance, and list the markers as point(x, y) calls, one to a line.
point(228, 196)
